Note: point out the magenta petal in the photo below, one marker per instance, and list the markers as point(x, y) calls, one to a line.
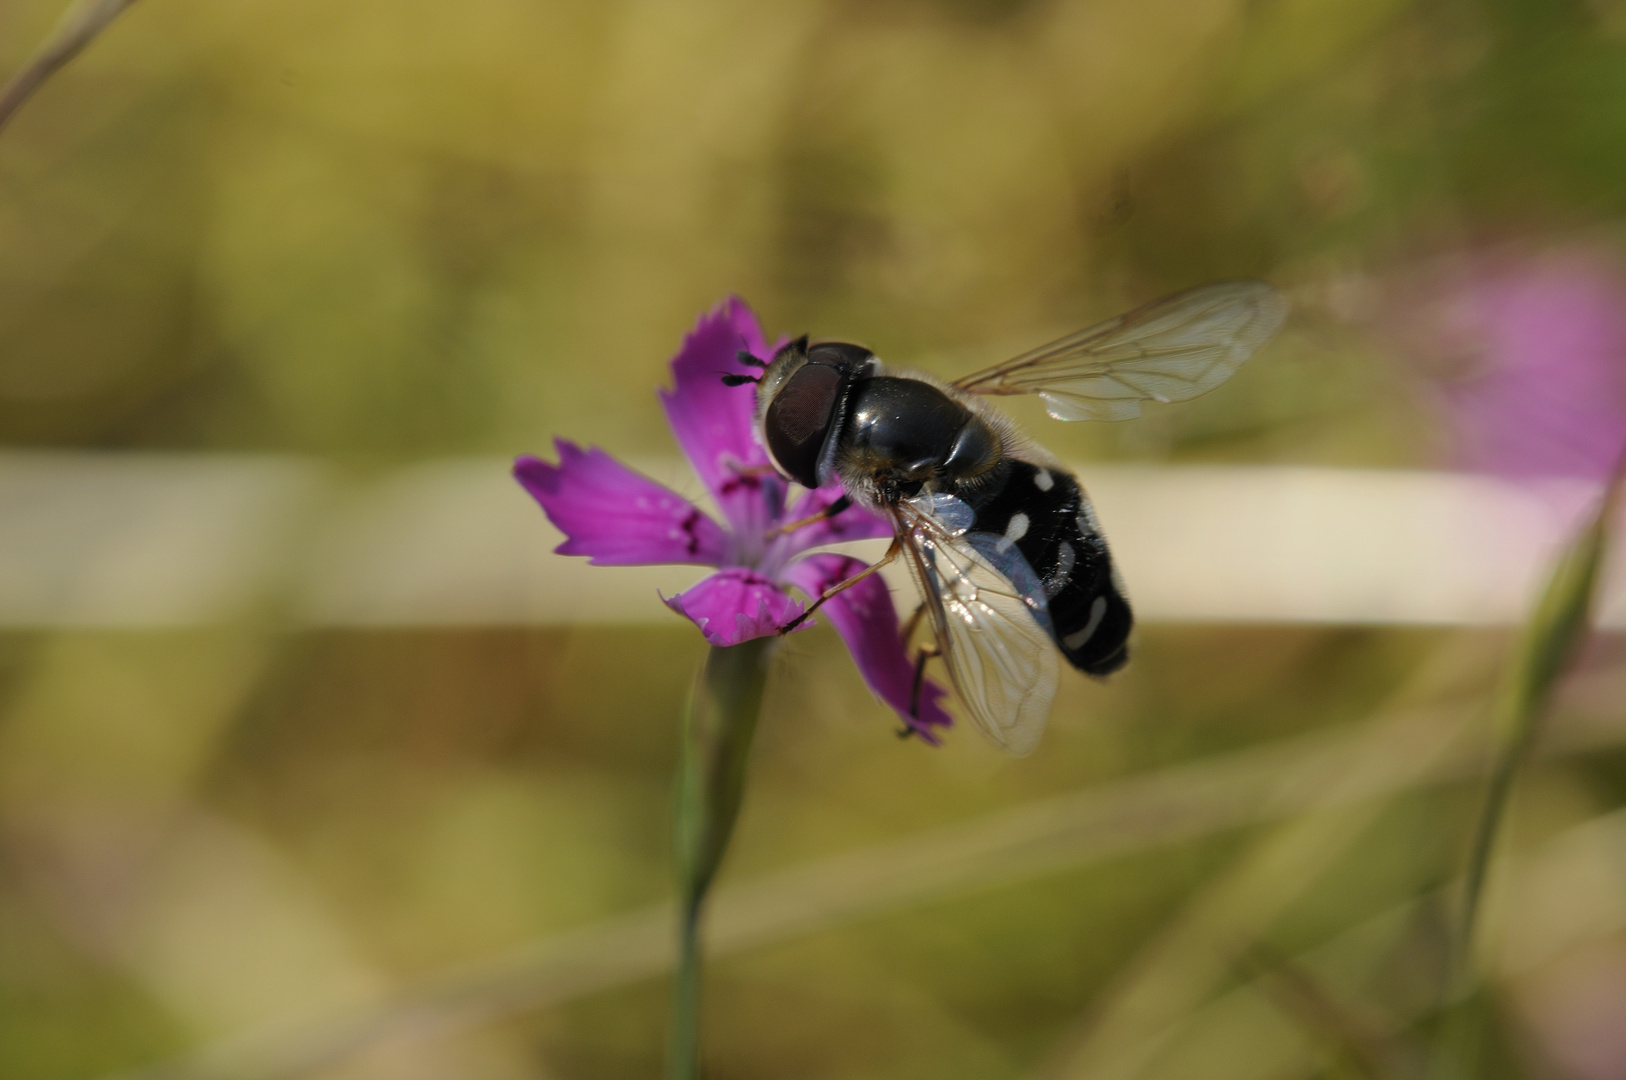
point(866, 620)
point(736, 605)
point(713, 422)
point(853, 523)
point(617, 516)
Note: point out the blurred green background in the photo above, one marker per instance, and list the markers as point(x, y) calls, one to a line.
point(377, 233)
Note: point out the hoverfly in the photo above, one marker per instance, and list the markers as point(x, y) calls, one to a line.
point(999, 537)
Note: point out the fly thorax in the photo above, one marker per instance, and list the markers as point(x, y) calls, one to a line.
point(977, 450)
point(901, 430)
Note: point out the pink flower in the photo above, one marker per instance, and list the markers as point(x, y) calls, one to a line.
point(1528, 355)
point(618, 517)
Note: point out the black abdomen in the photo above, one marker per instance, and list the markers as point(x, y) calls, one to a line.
point(1047, 516)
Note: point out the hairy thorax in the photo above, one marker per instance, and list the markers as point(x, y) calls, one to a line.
point(902, 435)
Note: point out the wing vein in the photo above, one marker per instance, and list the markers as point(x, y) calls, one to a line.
point(1173, 349)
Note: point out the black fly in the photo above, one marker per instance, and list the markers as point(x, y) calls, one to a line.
point(1000, 539)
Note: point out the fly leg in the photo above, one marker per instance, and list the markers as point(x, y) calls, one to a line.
point(891, 553)
point(925, 653)
point(823, 515)
point(912, 624)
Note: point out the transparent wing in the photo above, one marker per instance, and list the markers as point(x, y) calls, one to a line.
point(988, 617)
point(1169, 350)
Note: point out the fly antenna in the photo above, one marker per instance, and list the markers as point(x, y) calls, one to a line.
point(739, 380)
point(746, 358)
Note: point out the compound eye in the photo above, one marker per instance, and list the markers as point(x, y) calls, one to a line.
point(799, 418)
point(839, 354)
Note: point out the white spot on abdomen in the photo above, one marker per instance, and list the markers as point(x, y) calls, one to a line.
point(1017, 528)
point(1098, 611)
point(1066, 558)
point(1043, 480)
point(1087, 524)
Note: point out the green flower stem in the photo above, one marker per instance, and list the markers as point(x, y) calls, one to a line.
point(717, 731)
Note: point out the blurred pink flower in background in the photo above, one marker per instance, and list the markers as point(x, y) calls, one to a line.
point(1526, 357)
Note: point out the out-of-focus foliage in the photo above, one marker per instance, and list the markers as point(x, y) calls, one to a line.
point(378, 232)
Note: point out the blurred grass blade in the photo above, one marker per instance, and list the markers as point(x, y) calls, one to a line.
point(1191, 956)
point(1544, 649)
point(1358, 966)
point(1545, 645)
point(1265, 783)
point(1380, 971)
point(77, 28)
point(1300, 994)
point(1184, 802)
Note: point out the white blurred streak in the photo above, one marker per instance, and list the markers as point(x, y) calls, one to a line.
point(1283, 544)
point(117, 540)
point(460, 543)
point(143, 540)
